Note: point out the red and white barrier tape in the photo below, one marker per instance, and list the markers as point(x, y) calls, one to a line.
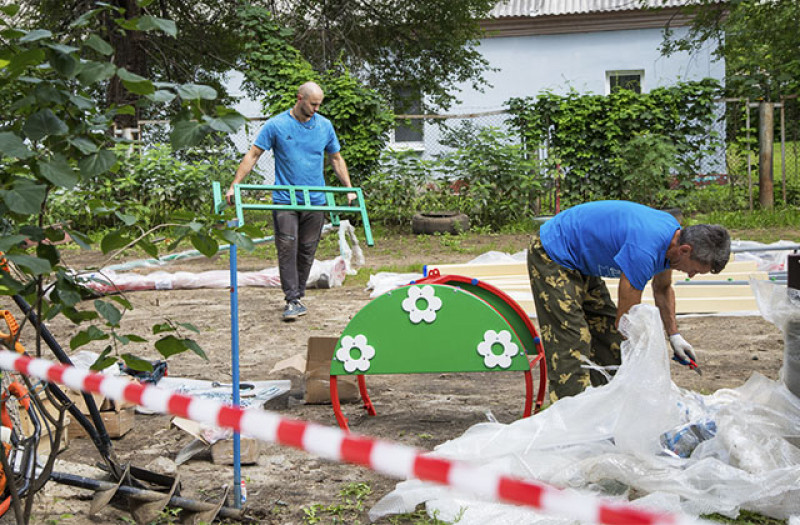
point(391, 459)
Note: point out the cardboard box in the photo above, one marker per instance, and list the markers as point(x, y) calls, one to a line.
point(222, 451)
point(26, 426)
point(117, 423)
point(318, 374)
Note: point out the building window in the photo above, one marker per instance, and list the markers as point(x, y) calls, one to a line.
point(408, 133)
point(631, 80)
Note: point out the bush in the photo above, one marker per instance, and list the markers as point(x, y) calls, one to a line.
point(498, 183)
point(485, 176)
point(151, 185)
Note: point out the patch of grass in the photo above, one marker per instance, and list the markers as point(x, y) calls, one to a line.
point(352, 498)
point(420, 517)
point(746, 518)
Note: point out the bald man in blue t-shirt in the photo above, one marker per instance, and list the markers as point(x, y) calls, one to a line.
point(575, 249)
point(299, 138)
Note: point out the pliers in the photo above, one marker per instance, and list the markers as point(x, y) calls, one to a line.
point(688, 362)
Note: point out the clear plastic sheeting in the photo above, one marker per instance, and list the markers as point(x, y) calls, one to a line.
point(780, 305)
point(607, 441)
point(767, 260)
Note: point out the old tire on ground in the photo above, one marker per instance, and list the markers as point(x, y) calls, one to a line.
point(439, 222)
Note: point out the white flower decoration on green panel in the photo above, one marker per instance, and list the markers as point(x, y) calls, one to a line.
point(425, 293)
point(345, 355)
point(503, 338)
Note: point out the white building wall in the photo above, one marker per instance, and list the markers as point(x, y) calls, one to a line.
point(527, 65)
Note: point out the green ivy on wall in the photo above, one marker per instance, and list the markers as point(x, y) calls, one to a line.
point(592, 140)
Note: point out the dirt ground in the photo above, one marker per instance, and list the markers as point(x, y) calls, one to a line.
point(418, 410)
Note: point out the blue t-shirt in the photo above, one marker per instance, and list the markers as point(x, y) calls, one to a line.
point(607, 238)
point(299, 149)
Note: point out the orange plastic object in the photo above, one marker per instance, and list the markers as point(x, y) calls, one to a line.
point(13, 328)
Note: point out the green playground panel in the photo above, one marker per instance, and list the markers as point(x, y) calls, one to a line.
point(447, 344)
point(330, 205)
point(505, 310)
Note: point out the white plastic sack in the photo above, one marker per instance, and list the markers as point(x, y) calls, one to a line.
point(324, 274)
point(606, 440)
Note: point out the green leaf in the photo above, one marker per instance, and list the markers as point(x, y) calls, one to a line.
point(10, 10)
point(20, 61)
point(62, 48)
point(134, 83)
point(80, 239)
point(170, 345)
point(44, 123)
point(113, 241)
point(92, 72)
point(238, 239)
point(109, 312)
point(97, 163)
point(128, 220)
point(25, 197)
point(121, 300)
point(162, 96)
point(36, 265)
point(135, 338)
point(81, 102)
point(36, 34)
point(137, 363)
point(187, 133)
point(86, 336)
point(99, 45)
point(192, 345)
point(229, 123)
point(149, 23)
point(196, 92)
point(190, 326)
point(58, 171)
point(144, 3)
point(9, 241)
point(49, 253)
point(104, 361)
point(78, 317)
point(8, 285)
point(148, 247)
point(83, 145)
point(162, 327)
point(13, 146)
point(205, 244)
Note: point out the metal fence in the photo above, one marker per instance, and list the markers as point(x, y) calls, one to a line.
point(734, 161)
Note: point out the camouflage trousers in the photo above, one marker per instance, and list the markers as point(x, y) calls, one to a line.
point(576, 318)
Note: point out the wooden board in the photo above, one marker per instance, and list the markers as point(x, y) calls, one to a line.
point(691, 295)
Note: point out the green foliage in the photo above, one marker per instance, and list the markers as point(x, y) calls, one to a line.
point(499, 182)
point(181, 41)
point(586, 135)
point(645, 165)
point(484, 175)
point(759, 63)
point(275, 69)
point(423, 47)
point(57, 138)
point(151, 185)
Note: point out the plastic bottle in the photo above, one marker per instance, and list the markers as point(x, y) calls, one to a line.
point(243, 492)
point(684, 439)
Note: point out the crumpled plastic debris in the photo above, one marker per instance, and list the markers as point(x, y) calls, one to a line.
point(607, 441)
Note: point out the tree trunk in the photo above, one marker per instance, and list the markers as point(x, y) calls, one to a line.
point(129, 54)
point(766, 195)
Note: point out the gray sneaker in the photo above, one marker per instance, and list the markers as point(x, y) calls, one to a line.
point(293, 310)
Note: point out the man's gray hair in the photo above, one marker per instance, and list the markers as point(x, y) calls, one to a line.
point(710, 244)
